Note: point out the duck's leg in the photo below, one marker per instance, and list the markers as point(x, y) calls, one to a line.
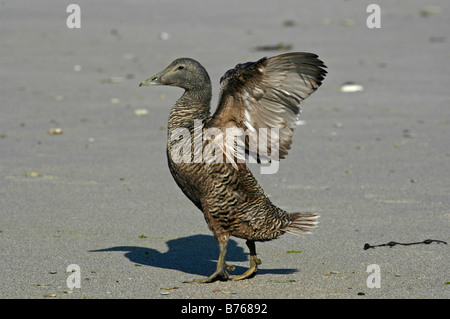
point(254, 262)
point(220, 273)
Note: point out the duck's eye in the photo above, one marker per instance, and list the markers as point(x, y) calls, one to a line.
point(181, 67)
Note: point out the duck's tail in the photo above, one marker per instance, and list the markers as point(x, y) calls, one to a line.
point(301, 223)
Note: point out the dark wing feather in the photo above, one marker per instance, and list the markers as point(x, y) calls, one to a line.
point(266, 94)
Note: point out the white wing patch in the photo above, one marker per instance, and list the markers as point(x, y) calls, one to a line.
point(247, 116)
point(248, 121)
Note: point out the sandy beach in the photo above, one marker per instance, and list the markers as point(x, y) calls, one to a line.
point(83, 170)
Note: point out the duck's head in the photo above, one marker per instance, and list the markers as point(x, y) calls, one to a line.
point(185, 73)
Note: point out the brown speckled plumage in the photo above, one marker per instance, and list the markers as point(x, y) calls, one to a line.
point(254, 95)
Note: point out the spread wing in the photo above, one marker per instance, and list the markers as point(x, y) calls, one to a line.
point(260, 102)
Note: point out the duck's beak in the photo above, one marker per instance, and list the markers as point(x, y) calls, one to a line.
point(154, 80)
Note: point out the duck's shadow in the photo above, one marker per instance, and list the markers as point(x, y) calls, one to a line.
point(193, 254)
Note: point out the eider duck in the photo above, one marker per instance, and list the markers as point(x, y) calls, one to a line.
point(258, 101)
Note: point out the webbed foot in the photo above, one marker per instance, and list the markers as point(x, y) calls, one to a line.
point(254, 262)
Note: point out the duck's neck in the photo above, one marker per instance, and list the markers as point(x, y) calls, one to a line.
point(191, 106)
